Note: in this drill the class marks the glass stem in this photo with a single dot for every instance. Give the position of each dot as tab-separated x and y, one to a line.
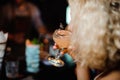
58	55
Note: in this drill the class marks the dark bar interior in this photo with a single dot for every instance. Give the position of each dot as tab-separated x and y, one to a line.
33	22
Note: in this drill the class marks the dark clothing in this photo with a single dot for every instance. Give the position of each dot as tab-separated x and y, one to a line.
21	25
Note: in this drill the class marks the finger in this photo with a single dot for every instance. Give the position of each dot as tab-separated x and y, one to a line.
54	47
64	51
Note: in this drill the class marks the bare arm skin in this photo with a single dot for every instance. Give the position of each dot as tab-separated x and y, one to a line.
82	72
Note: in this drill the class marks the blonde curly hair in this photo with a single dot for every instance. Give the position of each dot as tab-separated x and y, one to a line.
95	26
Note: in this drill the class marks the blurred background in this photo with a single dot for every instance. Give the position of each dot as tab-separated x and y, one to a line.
30	25
53	12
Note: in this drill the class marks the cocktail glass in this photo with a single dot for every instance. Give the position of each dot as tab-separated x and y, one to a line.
62	39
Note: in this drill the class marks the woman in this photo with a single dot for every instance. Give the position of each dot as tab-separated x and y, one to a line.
95	39
96	36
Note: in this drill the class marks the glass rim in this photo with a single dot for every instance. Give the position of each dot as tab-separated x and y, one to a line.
56	34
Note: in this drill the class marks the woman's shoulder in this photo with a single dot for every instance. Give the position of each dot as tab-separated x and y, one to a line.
113	75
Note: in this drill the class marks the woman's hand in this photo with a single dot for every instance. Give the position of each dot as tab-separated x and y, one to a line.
61	51
66	50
